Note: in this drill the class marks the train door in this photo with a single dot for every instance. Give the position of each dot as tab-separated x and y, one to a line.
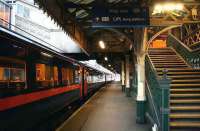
82	82
85	82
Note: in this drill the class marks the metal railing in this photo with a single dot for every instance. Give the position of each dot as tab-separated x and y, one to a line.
157	91
192	57
193	40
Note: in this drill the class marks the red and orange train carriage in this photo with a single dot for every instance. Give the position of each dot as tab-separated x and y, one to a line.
36	81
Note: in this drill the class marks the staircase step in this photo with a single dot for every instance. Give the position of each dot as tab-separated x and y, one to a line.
166	66
185	85
185	77
191	108
166	62
169	63
180	69
184	95
180	73
185	115
186	90
165	58
185	124
160	55
186	81
185	101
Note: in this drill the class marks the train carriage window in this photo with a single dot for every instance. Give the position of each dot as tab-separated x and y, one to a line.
46	75
17	75
76	77
55	75
12	74
4	74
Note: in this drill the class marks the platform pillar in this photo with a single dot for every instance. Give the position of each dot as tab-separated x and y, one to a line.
128	92
123	76
141	98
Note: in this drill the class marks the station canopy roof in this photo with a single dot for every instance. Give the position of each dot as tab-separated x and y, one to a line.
94	65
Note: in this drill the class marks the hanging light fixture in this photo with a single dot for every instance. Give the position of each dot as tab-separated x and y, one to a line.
106	58
102	44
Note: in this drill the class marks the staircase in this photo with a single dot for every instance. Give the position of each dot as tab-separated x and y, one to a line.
184	89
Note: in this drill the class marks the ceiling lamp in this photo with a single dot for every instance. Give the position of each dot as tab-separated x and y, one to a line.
102	44
106	58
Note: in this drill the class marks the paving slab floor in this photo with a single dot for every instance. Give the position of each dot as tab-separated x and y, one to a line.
108	110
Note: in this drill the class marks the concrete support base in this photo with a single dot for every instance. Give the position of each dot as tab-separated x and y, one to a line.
128	92
140	118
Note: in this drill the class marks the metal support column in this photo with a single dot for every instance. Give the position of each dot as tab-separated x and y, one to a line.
141	98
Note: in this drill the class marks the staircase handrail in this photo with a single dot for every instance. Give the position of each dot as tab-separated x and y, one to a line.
192	57
181	43
152	66
191	33
194	40
154	105
158	88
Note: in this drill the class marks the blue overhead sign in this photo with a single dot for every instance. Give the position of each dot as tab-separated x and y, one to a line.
108	16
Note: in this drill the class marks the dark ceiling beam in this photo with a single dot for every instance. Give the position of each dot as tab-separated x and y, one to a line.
86	7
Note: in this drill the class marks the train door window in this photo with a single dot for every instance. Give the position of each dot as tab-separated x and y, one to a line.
70	76
89	78
55	75
64	76
77	76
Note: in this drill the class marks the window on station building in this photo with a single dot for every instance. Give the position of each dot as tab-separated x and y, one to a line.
23	11
46	75
12	75
4	14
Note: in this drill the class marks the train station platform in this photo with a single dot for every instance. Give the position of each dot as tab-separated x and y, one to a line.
108	110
